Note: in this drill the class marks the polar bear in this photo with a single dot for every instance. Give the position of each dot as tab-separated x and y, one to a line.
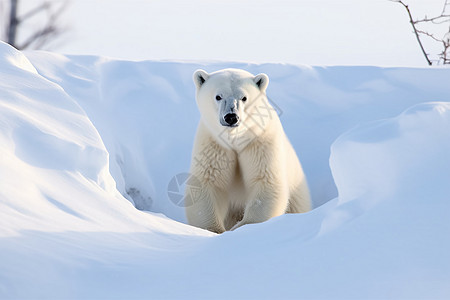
247	169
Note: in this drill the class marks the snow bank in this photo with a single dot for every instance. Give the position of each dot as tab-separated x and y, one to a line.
146	114
54	165
79	134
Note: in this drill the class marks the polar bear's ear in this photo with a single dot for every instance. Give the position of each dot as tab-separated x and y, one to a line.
200	77
262	81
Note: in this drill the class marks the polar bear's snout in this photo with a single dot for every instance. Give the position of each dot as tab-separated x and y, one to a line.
229	112
231	119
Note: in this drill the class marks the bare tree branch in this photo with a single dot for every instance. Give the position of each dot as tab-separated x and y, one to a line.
41	36
430	35
35	11
415	31
438	20
446	18
444	8
13	22
50	30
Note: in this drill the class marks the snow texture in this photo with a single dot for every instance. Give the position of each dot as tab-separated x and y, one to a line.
84	141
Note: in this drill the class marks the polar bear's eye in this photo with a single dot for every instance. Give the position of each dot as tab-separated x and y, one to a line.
244	99
218	98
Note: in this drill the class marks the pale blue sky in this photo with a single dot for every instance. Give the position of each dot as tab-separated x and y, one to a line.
316	32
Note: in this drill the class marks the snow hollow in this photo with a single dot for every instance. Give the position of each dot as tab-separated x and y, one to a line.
86	140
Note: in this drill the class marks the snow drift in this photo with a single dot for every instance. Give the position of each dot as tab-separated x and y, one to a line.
82	139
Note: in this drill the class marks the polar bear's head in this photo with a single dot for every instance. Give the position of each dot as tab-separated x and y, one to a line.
228	98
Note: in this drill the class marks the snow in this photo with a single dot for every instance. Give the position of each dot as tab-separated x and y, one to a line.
83	138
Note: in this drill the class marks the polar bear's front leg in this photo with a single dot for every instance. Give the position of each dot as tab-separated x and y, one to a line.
214	167
208	209
265	178
265	202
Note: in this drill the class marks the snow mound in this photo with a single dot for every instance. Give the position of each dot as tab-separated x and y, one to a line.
54	165
83	138
397	155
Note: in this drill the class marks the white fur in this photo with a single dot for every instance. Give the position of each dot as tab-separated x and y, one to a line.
249	173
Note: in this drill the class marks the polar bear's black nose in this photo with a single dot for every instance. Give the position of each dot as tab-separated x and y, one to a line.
231	119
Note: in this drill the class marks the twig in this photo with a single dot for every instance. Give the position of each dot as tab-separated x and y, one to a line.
415	31
40	37
34	11
429	35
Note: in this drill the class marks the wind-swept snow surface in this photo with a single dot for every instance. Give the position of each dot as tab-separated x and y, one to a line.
82	139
